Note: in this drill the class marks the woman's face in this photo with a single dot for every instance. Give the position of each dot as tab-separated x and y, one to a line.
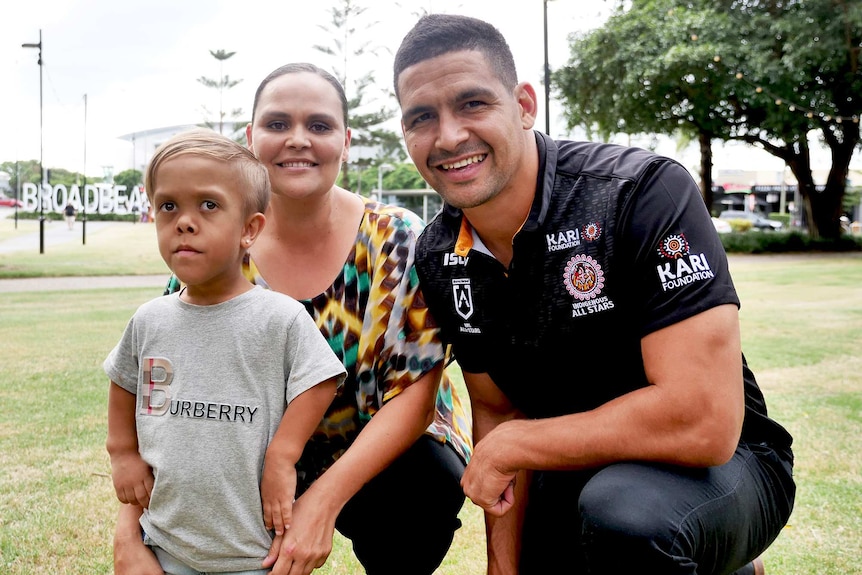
299	134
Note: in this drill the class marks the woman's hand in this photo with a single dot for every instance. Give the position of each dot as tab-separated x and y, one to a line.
131	556
306	545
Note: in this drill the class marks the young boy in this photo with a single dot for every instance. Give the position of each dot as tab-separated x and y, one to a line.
198	431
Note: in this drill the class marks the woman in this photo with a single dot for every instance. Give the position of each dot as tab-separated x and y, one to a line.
385	464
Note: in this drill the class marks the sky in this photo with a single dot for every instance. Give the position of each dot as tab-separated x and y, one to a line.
112	68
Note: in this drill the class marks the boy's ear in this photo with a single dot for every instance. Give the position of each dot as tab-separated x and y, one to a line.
253	226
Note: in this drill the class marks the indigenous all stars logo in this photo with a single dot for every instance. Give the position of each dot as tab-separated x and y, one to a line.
462	294
591	232
583	277
673	247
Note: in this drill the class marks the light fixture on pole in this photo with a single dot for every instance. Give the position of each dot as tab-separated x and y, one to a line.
41	167
380	169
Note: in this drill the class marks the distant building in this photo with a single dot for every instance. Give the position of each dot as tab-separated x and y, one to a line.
144	143
4	183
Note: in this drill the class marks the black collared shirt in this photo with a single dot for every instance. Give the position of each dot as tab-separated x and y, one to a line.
618	244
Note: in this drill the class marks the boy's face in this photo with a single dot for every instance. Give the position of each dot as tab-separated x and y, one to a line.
202	229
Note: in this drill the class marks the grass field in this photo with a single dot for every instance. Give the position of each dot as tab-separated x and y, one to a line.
118	248
802	330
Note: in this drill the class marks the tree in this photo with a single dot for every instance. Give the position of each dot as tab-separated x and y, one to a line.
657	84
129	178
801	74
403	176
727	70
61	176
365	115
222	83
27	171
21	172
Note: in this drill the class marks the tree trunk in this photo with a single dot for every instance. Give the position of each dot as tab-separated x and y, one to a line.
799	162
825	211
823	207
705	140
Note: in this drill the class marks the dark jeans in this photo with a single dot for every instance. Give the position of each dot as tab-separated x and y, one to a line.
403	520
643	518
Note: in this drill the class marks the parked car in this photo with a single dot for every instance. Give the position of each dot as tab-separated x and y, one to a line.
721	226
10	202
758	221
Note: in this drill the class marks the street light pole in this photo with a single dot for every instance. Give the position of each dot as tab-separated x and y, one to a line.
547	76
17	188
380	169
84	188
41	167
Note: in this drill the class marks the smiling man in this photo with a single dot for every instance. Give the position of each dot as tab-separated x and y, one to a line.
587	297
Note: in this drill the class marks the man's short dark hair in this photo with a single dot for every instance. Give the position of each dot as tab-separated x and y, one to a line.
438	34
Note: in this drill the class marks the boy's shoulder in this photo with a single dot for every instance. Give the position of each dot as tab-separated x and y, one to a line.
269	301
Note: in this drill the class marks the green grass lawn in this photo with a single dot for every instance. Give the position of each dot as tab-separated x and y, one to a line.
118	248
801	325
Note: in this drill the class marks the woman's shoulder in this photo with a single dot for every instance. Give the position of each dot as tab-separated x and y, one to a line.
380	215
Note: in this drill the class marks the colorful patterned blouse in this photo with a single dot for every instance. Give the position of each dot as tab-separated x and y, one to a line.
374	318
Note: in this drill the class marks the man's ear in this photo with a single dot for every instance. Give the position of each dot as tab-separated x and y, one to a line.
525	94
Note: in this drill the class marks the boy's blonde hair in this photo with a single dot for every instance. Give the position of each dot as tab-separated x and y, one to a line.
210	144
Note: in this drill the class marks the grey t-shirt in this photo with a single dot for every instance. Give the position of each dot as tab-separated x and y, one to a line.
212	384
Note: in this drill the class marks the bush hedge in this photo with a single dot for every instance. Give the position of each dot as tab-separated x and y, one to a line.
744	242
782	242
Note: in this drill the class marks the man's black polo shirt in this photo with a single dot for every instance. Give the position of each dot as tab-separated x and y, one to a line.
618	244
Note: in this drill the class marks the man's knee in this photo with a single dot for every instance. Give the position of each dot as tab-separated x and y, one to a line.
621	522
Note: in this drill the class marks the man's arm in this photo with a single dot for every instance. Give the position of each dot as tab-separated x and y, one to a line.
691	413
490	408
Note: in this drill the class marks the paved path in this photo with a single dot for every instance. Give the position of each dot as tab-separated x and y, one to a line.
56	233
79	283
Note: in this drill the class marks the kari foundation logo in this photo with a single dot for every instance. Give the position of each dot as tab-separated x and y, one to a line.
592	231
683	267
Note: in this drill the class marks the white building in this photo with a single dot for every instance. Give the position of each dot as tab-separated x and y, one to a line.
144	143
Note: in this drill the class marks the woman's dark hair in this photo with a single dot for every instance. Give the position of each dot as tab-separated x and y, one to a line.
296	68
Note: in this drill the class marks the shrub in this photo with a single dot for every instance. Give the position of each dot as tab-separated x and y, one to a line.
783	242
739	225
783	218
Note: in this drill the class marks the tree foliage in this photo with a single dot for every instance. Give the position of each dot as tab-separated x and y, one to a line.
22	171
27	171
129	178
229	121
348	30
765	72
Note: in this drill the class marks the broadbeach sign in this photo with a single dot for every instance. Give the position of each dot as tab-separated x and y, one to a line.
93	199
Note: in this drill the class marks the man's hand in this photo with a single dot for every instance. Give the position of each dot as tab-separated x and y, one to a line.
486	483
